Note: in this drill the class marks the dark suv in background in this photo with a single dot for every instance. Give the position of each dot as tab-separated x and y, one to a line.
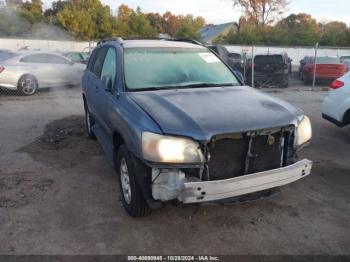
177	124
270	70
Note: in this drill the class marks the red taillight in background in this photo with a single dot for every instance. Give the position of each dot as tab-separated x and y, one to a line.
2	69
337	84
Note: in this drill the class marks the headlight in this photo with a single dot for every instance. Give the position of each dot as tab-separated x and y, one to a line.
304	131
168	149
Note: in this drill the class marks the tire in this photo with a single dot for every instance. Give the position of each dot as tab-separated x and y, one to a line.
285	83
27	85
306	80
89	122
132	198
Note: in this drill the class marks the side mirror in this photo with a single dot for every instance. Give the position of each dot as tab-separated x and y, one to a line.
107	81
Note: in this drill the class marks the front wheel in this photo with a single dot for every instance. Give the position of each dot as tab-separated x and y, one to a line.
133	200
27	85
89	122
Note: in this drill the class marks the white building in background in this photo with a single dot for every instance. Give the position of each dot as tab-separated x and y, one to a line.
295	53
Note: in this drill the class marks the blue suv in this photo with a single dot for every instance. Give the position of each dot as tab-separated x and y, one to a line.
178	124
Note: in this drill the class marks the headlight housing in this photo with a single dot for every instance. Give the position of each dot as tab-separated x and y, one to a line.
168	149
303	132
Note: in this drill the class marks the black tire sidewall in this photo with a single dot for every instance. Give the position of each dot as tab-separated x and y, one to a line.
138	206
89	131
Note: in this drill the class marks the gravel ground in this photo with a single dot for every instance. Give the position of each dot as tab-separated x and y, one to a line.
58	194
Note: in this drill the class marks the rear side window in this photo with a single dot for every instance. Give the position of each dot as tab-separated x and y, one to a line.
6	55
34	59
44	59
109	67
268	59
327	60
96	61
74	56
55	59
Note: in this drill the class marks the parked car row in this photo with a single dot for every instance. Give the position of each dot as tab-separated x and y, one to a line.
270	70
27	71
327	69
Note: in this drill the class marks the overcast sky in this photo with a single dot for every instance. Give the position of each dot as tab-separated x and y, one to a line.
221	11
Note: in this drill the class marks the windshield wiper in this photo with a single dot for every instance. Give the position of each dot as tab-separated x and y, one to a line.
196	85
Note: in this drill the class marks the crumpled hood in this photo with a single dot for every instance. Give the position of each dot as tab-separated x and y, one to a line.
204	112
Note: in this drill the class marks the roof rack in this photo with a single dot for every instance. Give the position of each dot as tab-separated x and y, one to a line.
188	40
117	39
120	40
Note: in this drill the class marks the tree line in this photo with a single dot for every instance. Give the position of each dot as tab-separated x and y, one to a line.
91	20
262	23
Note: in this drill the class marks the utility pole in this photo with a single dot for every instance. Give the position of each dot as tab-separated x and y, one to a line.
315	64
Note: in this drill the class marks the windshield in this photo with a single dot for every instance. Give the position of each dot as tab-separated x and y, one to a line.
6	55
85	56
327	60
344	57
159	68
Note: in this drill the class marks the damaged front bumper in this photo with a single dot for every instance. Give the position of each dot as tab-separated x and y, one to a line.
173	184
194	192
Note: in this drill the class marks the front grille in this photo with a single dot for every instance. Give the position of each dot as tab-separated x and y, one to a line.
232	157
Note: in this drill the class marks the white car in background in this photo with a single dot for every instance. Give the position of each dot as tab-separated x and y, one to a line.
26	71
336	106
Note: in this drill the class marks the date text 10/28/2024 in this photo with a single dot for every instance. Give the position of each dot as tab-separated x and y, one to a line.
173	258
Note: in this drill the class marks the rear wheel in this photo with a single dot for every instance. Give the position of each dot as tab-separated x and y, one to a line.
306	80
27	85
285	83
133	200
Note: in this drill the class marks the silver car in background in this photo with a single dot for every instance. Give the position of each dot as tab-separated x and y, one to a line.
26	71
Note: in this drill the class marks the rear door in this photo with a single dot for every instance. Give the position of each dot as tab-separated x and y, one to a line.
93	85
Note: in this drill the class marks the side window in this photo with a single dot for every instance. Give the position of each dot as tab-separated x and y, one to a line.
109	66
74	56
40	58
91	61
44	59
99	58
55	59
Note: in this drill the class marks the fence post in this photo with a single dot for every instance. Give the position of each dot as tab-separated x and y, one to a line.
315	64
253	66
